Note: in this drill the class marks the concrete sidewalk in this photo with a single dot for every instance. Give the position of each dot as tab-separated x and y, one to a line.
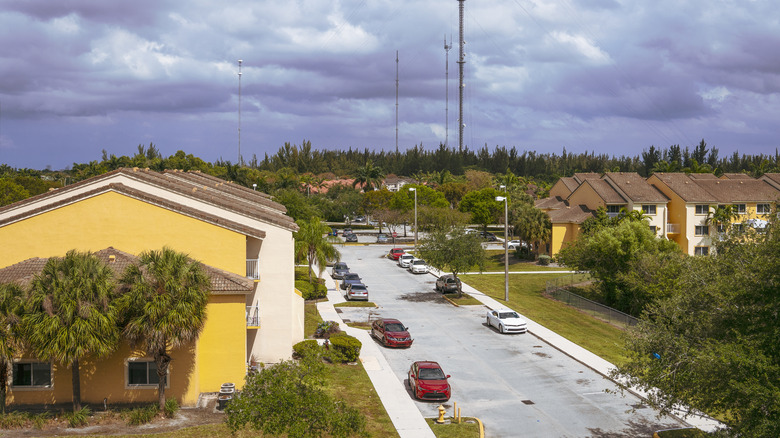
406	418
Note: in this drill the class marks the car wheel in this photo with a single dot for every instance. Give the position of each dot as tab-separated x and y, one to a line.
487	321
501	328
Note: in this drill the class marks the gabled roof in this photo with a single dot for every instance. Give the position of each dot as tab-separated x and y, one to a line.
736	176
685	187
724	191
194	186
605	191
570	214
580	177
222	282
636	188
551	203
570	182
773	179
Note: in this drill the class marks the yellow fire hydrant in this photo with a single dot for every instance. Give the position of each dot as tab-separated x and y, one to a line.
442	411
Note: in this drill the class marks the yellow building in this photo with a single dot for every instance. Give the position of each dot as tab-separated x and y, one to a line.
242	237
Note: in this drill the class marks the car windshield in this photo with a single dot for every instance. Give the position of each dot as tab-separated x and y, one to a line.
351	276
432	374
504	315
340	266
394	327
419	262
358	288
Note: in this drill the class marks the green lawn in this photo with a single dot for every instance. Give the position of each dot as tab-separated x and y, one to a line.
526	296
468	428
495	262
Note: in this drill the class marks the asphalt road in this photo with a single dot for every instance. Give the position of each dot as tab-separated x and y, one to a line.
517	384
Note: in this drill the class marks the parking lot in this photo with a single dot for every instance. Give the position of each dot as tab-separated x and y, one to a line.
517	384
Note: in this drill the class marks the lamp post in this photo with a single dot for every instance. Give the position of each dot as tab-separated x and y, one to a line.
413	189
506	245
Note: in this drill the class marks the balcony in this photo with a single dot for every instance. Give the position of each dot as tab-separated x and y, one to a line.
252	316
672	228
253	269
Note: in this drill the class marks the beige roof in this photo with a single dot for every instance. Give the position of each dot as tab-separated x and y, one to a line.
736	176
635	187
773	179
570	214
724	191
570	183
699	176
580	177
605	191
685	187
551	203
222	282
204	188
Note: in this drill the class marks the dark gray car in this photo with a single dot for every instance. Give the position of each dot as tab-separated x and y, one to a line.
447	283
339	269
350	278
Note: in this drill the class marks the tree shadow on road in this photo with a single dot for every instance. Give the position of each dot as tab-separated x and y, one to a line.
640	428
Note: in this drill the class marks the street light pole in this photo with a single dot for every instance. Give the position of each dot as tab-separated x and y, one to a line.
506	245
413	189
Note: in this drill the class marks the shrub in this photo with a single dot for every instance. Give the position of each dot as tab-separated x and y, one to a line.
311	291
544	260
78	418
326	328
171	407
142	415
346	347
14	420
305	348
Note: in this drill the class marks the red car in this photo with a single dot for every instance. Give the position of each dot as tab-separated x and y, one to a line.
428	382
391	333
395	253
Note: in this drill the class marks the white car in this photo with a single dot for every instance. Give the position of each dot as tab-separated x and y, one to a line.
514	244
418	266
506	321
405	260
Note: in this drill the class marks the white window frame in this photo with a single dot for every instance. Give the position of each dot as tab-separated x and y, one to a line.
701	250
32	387
740	208
699	207
647	207
699	230
146	360
763	208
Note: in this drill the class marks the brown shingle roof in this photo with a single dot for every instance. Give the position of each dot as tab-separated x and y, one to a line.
605	191
582	176
570	183
738	190
570	214
736	176
551	203
685	187
773	179
635	187
222	282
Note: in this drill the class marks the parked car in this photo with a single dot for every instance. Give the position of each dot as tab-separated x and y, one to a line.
428	381
470	231
346	231
391	333
506	321
339	269
333	232
418	266
447	283
351	237
381	238
395	253
487	235
350	278
357	291
515	244
405	259
359	219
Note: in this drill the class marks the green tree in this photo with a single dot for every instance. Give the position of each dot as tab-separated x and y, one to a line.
164	305
532	225
11	192
721	217
297	204
288	399
453	251
712	344
368	176
610	253
483	206
313	241
72	313
11	310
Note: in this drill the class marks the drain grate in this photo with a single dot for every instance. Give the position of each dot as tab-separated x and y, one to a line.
527	402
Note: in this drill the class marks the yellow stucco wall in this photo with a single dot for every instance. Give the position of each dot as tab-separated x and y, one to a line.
585	195
563	234
129	225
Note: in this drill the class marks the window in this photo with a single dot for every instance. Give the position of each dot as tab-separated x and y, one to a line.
702	209
654	229
32	374
738	228
702	230
763	209
142	372
739	208
701	250
613	210
648	210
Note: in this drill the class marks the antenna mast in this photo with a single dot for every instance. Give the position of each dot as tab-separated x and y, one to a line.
396	101
447	90
239	111
461	61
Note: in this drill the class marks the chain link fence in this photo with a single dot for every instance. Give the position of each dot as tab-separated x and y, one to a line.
557	289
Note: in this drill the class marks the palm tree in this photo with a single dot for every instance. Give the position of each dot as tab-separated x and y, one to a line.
310	241
72	313
165	305
368	176
533	225
11	310
721	216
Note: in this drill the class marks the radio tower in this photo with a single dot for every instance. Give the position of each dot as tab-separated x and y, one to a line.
396	101
461	61
447	90
239	111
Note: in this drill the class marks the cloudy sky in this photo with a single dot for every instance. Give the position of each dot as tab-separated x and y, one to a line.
610	76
